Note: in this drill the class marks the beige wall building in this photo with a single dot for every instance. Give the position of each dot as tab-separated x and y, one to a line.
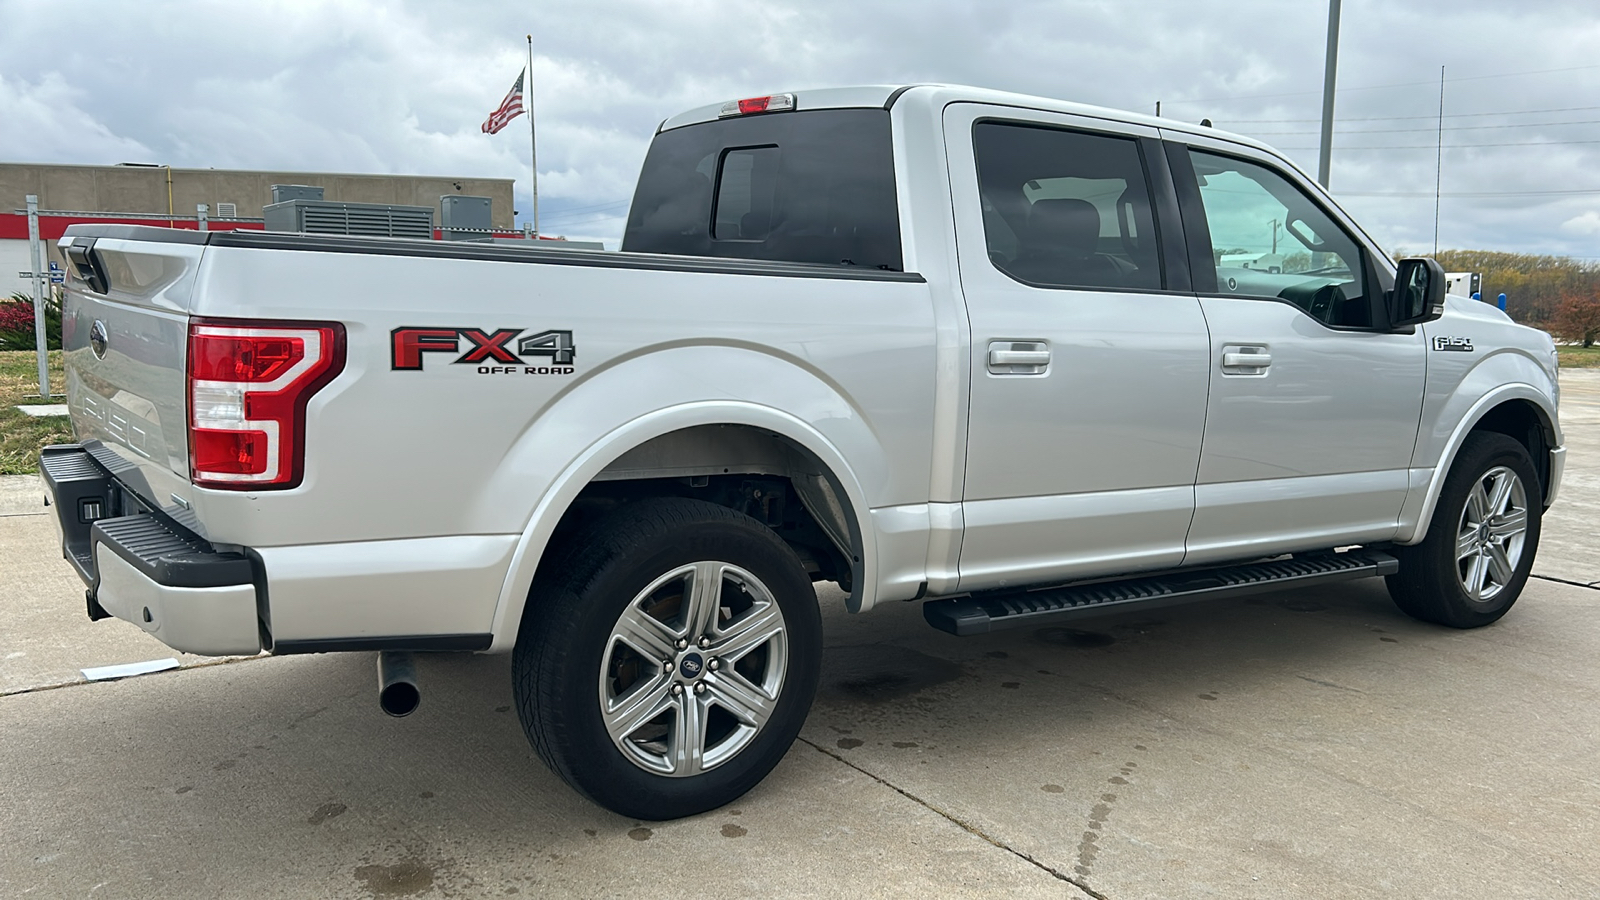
159	190
150	194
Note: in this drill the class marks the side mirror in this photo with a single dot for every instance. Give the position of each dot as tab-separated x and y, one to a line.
1418	294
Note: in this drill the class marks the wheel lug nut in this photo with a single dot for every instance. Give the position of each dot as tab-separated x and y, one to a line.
704	643
677	690
683	644
699	687
666	666
714	664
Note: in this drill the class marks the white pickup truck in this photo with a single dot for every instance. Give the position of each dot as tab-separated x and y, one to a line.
938	344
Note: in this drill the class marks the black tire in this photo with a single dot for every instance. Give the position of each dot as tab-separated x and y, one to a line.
1430	584
580	595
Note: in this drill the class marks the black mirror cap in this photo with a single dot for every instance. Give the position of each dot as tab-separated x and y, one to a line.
1418	294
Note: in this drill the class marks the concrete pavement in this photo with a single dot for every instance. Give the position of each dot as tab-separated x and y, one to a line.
1569	549
1306	744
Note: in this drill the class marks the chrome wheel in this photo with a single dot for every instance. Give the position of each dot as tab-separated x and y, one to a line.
692	669
1492	533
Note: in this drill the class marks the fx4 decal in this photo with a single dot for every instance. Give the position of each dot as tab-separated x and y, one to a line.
490	351
1458	344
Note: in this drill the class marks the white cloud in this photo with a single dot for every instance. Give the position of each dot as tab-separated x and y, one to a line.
1588	223
365	85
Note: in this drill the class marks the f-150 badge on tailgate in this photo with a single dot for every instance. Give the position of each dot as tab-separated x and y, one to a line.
1458	344
489	351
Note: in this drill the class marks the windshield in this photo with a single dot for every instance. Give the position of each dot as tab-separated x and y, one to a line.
807	187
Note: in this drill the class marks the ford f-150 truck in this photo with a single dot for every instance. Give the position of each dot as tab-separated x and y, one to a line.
988	352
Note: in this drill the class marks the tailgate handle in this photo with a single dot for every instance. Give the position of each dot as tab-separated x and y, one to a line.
86	262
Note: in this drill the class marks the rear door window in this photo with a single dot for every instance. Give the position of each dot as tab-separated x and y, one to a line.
1066	208
811	187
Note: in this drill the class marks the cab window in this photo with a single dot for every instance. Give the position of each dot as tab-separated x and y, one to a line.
1270	240
1065	208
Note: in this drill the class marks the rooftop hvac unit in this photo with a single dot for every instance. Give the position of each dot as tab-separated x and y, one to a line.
463	218
333	217
282	193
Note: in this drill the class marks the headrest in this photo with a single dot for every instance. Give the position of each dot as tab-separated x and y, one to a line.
1065	225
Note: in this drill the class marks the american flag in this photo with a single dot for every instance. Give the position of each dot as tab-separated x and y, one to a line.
510	108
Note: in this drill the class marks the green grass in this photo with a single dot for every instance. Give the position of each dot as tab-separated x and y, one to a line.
1579	357
22	435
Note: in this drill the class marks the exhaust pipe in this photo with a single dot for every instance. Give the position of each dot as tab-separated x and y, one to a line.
398	693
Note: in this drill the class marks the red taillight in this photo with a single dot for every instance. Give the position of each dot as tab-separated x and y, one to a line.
769	103
248	386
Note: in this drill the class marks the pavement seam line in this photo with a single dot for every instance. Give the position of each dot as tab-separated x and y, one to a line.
1595	586
58	685
959	823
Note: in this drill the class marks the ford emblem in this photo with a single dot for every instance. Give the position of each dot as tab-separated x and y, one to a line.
98	338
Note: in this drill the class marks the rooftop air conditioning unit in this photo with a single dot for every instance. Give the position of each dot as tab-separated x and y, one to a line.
333	217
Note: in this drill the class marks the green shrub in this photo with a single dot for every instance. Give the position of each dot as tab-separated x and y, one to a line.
16	323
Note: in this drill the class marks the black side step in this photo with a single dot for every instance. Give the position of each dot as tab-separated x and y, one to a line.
981	613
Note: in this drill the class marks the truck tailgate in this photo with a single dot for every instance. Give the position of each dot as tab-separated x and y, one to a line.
124	335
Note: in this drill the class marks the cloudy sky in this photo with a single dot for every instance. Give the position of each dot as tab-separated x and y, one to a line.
368	86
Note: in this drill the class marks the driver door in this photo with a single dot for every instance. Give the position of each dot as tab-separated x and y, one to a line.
1313	411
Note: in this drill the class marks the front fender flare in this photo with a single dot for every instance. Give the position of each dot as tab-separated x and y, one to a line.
1428	483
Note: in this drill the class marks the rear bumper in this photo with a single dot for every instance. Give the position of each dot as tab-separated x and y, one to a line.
143	568
435	593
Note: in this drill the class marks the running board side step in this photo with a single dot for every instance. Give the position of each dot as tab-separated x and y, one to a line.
994	610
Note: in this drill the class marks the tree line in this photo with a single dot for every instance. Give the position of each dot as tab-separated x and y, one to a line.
1557	293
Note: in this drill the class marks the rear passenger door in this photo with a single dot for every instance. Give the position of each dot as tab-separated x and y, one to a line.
1089	352
1314	401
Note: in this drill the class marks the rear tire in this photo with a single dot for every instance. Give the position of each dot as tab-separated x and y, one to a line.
668	657
1482	539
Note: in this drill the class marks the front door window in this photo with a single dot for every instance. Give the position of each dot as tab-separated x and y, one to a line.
1269	240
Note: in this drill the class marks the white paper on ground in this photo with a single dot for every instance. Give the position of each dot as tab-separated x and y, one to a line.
127	670
44	409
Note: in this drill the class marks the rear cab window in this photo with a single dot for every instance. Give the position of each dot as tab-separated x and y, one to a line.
814	186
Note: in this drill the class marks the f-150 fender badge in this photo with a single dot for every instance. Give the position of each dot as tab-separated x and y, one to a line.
1458	344
489	351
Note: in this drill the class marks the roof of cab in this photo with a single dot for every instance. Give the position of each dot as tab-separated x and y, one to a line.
881	95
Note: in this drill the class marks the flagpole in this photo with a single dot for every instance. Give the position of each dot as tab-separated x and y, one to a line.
533	146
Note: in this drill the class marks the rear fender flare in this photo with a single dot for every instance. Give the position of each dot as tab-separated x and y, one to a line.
582	469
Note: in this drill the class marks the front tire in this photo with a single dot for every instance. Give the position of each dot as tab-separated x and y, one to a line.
1481	542
668	657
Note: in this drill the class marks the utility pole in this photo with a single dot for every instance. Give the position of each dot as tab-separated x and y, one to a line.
1438	164
1329	76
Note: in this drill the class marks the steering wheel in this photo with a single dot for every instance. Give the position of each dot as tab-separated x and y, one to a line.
1322	301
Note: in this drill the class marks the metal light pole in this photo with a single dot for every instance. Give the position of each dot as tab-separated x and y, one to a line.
41	282
1329	75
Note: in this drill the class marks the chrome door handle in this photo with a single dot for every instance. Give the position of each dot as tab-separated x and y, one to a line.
1246	360
1018	357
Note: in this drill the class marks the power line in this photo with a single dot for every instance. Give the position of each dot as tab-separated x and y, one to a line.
1446	128
579	209
1377	87
1512	112
1467	193
1454	146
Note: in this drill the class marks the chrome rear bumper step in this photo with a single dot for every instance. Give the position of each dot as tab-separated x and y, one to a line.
995	610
